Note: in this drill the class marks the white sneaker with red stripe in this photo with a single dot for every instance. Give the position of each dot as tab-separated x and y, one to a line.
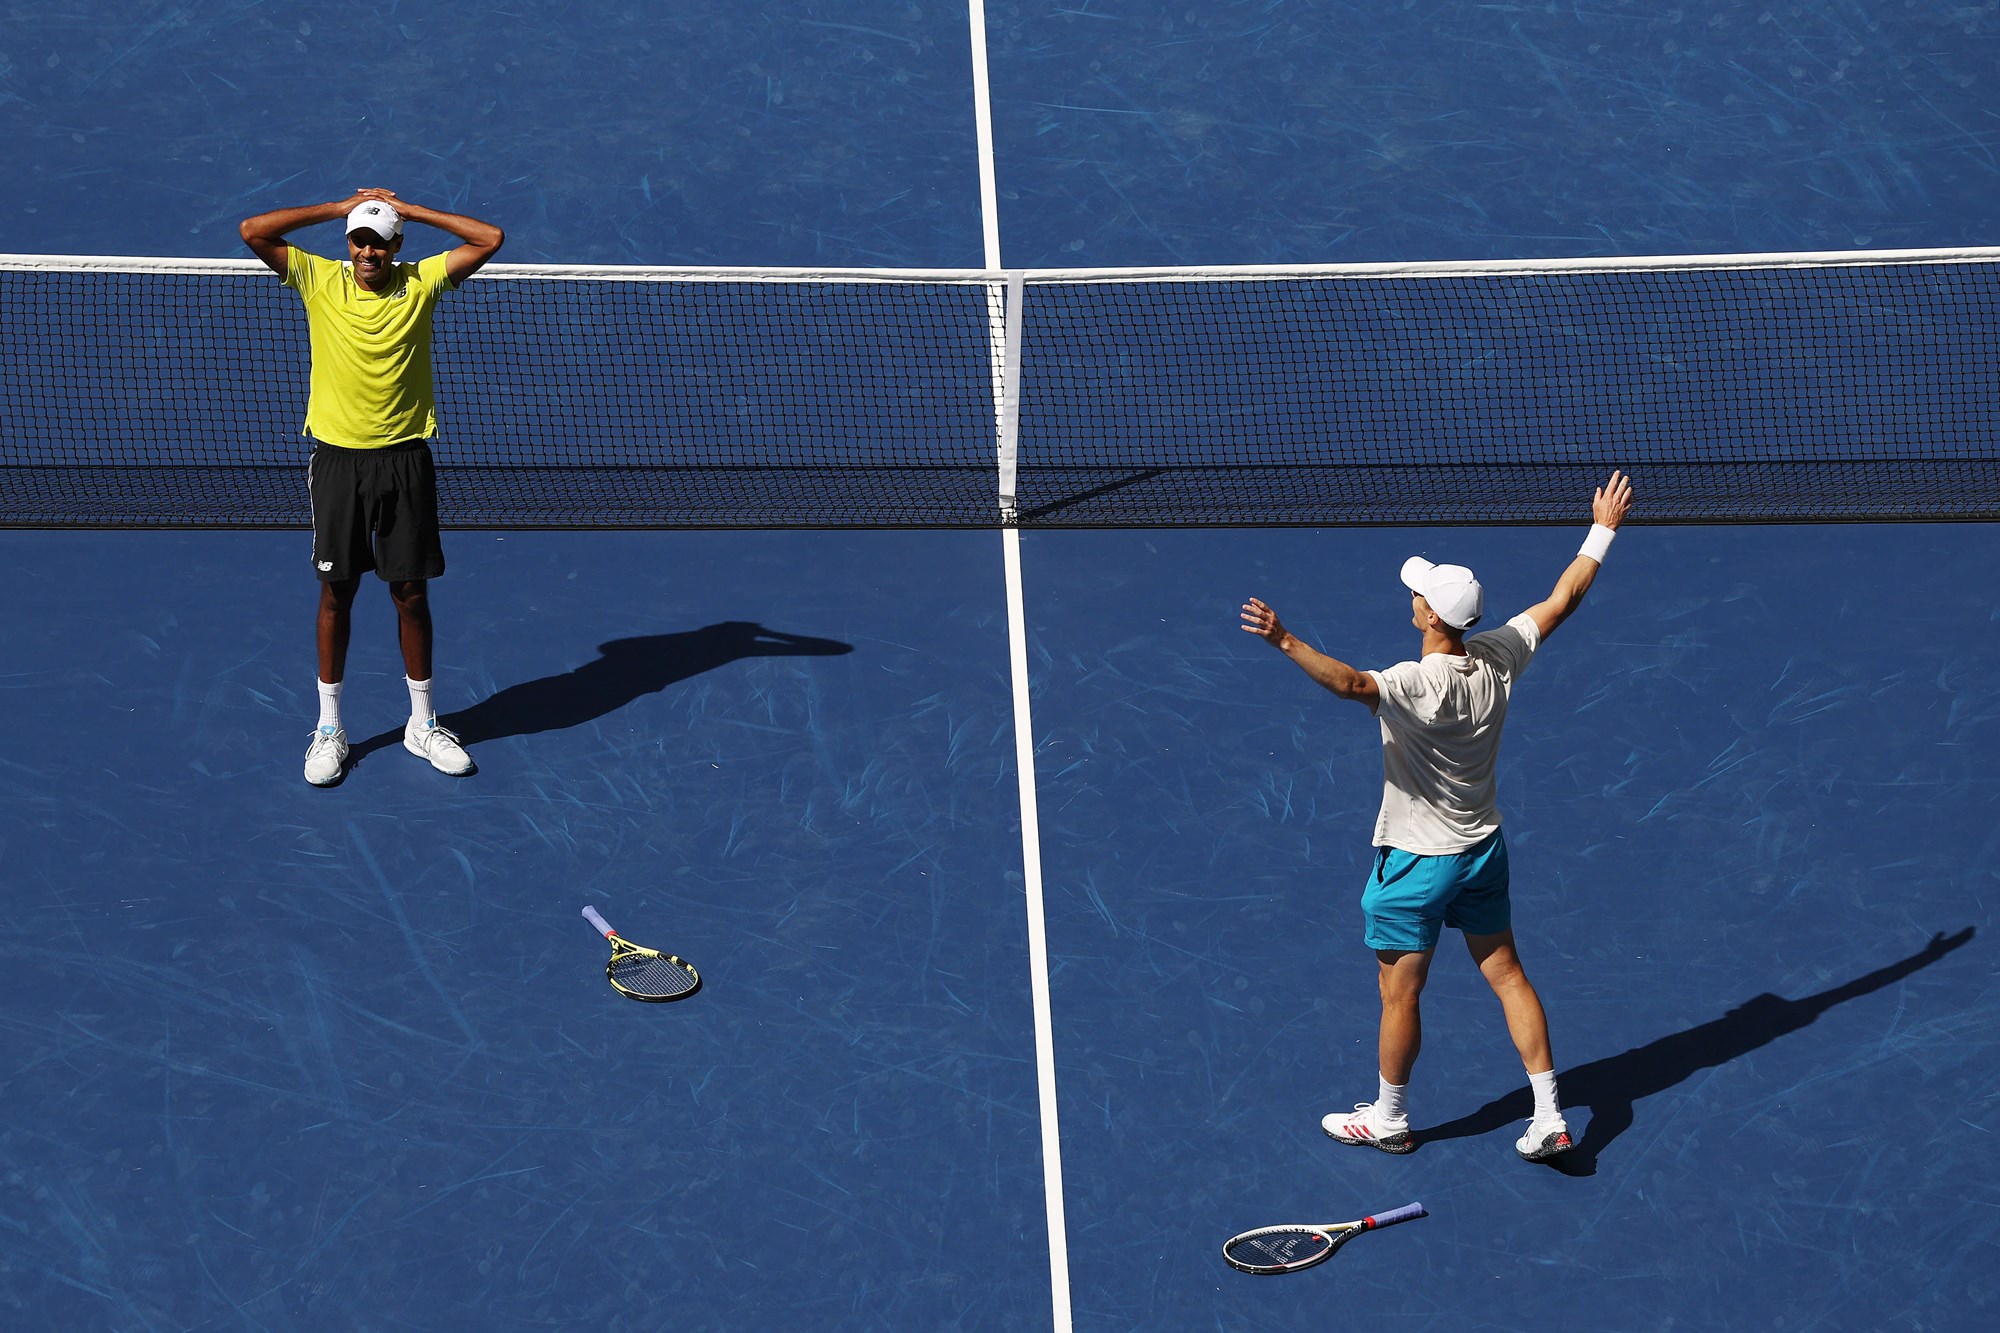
1545	1139
1367	1127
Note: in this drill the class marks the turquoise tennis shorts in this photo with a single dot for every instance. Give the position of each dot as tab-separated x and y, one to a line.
1411	898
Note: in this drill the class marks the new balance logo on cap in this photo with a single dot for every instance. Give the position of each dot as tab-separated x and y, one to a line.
378	217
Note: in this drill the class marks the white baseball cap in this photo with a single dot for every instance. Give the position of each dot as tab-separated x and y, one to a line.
378	217
1450	589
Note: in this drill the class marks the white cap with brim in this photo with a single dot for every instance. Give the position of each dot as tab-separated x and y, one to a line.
1450	589
377	217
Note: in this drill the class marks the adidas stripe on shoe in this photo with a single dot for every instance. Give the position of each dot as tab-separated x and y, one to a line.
1365	1127
1544	1139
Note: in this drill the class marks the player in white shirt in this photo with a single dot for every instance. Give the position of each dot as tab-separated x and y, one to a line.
1440	857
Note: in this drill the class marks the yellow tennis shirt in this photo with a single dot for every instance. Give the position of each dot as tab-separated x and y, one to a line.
371	352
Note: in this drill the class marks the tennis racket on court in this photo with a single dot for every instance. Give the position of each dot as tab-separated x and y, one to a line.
1297	1245
643	974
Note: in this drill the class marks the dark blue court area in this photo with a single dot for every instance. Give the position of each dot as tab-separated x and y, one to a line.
281	1058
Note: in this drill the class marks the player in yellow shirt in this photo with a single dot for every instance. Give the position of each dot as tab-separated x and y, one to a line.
370	415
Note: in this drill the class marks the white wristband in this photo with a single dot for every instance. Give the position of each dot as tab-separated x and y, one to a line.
1598	542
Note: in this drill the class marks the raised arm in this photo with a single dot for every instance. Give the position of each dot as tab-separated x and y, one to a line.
1607	510
1331	672
265	233
482	240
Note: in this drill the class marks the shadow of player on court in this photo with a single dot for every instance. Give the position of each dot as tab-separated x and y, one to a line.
1610	1087
623	670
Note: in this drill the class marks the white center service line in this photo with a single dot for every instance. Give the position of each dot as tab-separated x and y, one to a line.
1038	940
1024	746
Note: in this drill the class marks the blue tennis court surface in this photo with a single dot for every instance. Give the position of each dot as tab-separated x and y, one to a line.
283	1058
295	1058
347	1058
1745	791
811	132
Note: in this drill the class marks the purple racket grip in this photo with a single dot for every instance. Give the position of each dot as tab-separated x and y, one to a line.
604	927
1395	1215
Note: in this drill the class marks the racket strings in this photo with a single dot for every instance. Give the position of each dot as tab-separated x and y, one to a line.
1283	1247
650	974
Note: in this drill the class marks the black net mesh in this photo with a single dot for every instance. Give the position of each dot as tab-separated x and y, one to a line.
1806	392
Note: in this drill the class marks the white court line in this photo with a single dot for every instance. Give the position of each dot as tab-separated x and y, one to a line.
1038	941
982	117
1024	751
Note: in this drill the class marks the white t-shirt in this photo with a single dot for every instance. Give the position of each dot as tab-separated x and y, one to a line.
1441	721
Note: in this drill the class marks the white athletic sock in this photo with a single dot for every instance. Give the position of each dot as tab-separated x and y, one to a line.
329	704
1546	1105
1389	1099
420	701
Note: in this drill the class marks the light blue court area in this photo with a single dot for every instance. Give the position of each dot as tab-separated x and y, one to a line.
279	1057
1749	796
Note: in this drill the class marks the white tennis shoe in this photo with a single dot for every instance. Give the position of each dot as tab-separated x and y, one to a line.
428	740
1367	1127
1545	1139
326	760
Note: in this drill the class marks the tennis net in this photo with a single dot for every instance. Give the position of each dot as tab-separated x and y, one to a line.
1846	386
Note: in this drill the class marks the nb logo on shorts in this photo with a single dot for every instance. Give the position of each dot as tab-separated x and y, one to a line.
325	566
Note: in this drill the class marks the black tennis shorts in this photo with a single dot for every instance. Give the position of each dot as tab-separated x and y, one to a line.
374	509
